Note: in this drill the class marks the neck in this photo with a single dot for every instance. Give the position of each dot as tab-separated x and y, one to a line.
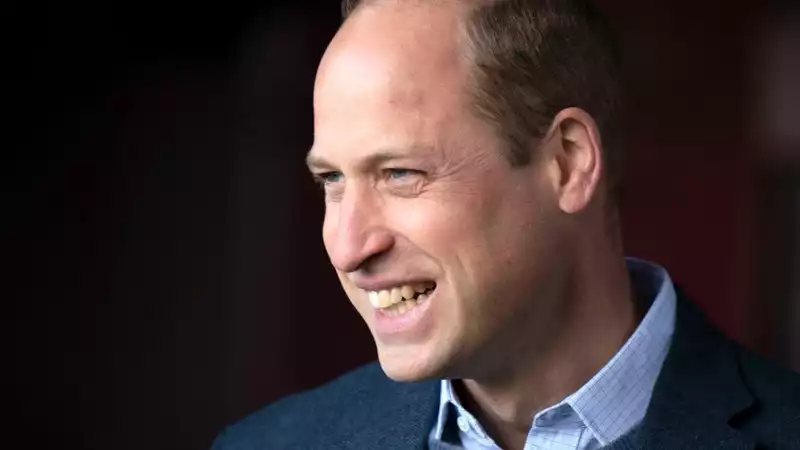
600	317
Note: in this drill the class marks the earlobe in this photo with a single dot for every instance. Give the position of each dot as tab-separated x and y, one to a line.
579	159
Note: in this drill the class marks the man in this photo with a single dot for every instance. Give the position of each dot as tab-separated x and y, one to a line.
469	157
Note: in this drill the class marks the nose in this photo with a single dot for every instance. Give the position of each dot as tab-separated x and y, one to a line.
355	232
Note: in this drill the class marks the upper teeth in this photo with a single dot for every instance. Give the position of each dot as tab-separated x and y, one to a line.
389	297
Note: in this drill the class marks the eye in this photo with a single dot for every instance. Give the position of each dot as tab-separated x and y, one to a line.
332	184
326	178
401	174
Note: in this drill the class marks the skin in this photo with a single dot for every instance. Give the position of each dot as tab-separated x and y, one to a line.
532	295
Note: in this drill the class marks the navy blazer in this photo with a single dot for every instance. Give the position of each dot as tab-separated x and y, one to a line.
711	394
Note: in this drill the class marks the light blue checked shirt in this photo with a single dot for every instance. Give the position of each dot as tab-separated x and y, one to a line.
607	406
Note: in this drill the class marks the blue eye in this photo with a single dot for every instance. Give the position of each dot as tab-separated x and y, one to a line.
400	173
329	177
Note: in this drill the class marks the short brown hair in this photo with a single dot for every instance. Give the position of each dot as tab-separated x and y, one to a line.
533	58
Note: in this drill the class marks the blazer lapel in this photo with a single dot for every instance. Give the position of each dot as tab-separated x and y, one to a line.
697	393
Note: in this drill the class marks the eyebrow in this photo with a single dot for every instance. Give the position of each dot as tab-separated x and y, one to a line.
317	162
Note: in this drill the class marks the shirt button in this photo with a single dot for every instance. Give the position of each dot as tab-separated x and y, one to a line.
463	424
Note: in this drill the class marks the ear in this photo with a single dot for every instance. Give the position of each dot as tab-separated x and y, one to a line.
577	160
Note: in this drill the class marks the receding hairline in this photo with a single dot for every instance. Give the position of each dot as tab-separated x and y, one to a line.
495	85
463	44
350	7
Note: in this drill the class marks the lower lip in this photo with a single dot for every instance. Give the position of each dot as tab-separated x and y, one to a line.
409	326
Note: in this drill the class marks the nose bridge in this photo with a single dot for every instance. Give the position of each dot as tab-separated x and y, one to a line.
361	233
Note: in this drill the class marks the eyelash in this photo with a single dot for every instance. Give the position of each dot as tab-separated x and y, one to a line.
392	171
324	178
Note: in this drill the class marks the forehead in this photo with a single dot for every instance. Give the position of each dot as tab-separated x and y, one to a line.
394	76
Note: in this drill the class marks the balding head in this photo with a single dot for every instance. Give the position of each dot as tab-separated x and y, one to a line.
530	59
410	64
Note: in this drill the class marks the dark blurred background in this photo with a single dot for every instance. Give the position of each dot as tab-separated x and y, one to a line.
167	269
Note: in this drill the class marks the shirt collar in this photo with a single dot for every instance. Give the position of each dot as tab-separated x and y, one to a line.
625	384
616	398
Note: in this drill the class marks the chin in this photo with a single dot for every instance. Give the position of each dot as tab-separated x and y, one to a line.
409	365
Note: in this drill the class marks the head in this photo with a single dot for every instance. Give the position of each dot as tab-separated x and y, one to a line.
459	146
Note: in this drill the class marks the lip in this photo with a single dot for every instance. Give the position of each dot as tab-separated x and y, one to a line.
411	326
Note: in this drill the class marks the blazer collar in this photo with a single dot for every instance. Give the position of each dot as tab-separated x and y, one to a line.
697	393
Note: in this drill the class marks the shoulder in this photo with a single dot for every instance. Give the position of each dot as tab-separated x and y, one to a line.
776	391
335	411
284	423
708	379
770	382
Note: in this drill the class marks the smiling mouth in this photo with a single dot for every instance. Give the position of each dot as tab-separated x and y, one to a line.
401	299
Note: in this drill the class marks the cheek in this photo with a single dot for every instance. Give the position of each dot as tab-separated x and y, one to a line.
453	220
484	239
465	219
458	232
429	225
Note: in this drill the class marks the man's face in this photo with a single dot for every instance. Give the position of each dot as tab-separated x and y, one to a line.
422	209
